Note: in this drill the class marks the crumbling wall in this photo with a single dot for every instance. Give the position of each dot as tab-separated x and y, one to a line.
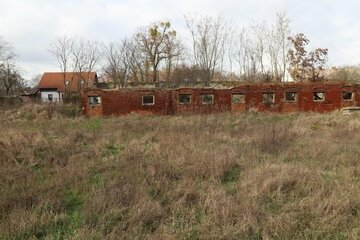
317	97
221	101
92	110
124	101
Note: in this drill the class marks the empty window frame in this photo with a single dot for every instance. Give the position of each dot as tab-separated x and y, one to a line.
268	98
94	100
237	98
290	97
184	98
50	97
148	100
207	98
319	96
347	95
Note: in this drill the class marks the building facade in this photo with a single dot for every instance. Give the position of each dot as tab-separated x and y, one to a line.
287	97
52	86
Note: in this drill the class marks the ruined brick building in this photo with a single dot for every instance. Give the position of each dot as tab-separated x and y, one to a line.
286	97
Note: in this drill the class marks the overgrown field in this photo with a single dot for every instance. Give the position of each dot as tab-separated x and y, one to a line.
240	176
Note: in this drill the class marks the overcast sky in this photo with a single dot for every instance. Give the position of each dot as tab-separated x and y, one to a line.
30	25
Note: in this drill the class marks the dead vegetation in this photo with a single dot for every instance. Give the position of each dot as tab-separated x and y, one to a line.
241	176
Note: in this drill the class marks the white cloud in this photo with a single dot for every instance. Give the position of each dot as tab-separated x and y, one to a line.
31	24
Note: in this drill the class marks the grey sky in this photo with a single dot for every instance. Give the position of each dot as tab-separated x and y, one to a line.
30	25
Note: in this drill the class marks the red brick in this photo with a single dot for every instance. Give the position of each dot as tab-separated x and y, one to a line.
125	101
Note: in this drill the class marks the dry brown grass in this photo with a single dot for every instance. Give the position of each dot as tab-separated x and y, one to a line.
240	176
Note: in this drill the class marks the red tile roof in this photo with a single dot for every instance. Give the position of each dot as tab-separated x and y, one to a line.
55	80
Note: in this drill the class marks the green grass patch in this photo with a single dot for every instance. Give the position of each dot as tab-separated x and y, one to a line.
72	201
58	227
93	124
231	175
96	180
113	149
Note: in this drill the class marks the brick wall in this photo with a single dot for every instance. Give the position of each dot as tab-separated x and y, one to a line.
124	101
221	101
87	108
206	100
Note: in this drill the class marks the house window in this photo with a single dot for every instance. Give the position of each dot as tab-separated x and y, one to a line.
50	97
238	98
347	95
184	98
148	100
319	96
268	98
207	98
291	96
94	100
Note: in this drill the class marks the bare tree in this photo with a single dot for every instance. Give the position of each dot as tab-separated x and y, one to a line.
139	65
246	57
283	32
231	51
184	74
77	56
174	50
35	80
6	51
240	55
117	62
62	49
85	56
10	77
261	35
274	56
11	80
261	51
208	40
158	43
279	46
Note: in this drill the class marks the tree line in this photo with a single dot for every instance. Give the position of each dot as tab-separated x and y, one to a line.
214	50
11	81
